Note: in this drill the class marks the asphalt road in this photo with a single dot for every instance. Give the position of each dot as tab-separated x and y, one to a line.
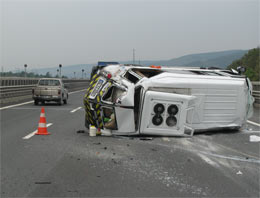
69	163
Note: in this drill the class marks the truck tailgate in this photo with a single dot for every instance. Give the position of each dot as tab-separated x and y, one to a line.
47	91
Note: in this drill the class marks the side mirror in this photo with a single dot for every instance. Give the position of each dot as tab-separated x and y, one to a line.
241	69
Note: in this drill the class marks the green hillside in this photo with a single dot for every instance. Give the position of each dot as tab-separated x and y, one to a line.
252	63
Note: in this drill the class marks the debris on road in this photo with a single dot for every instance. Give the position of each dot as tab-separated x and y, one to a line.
239	173
80	131
92	131
254	138
106	132
166	101
42	182
145	138
115	162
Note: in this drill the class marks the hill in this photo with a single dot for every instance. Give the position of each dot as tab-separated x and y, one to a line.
251	62
211	59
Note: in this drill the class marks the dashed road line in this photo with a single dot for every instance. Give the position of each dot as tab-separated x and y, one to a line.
251	159
77	91
253	123
33	133
16	105
74	110
249	132
235	158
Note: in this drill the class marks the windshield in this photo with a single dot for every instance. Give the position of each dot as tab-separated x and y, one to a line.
49	82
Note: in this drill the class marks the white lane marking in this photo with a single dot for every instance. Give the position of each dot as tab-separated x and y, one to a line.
16	105
253	123
248	131
33	133
74	110
252	159
77	91
20	104
235	158
208	160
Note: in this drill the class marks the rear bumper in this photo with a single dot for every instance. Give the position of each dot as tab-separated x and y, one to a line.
47	98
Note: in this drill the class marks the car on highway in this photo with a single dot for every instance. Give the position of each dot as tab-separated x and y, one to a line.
50	89
169	101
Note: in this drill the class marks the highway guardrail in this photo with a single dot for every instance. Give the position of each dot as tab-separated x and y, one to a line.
17	89
256	92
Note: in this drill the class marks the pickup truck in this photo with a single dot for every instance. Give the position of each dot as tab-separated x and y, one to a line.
50	89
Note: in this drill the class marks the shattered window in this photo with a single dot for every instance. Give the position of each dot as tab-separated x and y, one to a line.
148	73
132	77
113	94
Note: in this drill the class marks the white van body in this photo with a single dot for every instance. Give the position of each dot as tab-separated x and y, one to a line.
197	99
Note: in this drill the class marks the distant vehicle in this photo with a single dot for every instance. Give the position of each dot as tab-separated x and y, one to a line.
131	100
50	89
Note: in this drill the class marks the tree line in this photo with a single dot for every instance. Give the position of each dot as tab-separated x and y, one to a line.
251	62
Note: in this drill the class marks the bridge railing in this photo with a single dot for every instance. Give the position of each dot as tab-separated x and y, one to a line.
16	89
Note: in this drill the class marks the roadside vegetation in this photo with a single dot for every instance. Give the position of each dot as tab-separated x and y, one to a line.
251	62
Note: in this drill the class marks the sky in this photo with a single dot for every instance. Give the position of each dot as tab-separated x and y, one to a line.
46	33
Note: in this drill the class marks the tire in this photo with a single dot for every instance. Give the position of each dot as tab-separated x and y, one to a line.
36	102
60	102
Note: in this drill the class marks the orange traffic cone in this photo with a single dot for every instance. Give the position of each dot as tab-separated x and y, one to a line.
42	128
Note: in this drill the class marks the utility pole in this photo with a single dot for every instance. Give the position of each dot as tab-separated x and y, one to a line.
133	56
60	65
57	72
74	75
25	66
